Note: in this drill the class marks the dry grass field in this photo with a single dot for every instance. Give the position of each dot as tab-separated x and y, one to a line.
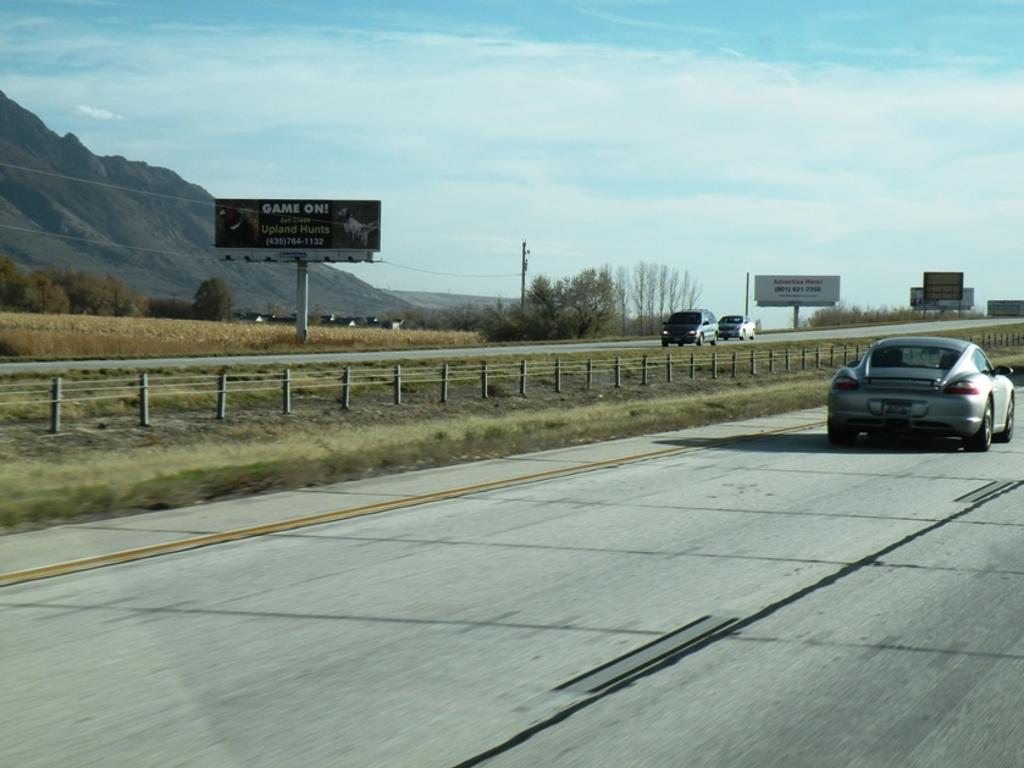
37	336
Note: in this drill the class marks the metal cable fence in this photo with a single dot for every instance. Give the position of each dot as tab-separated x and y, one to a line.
32	398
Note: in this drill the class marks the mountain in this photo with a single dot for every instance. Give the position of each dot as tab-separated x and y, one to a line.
162	225
437	301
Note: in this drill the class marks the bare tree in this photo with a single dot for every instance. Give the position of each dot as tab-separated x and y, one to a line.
663	278
690	291
622	293
651	291
673	291
638	291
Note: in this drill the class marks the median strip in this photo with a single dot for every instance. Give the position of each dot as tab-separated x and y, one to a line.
195	542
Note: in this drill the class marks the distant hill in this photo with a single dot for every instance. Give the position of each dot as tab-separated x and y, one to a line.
167	230
427	300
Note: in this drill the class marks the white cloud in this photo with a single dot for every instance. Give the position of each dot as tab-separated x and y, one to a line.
97	114
717	164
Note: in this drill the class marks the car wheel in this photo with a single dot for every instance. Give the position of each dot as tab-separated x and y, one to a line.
700	340
980	441
1007	434
664	342
841	435
743	335
714	340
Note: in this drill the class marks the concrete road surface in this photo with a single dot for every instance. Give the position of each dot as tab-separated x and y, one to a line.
868	604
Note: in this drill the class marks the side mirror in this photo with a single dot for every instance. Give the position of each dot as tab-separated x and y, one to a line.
1003	370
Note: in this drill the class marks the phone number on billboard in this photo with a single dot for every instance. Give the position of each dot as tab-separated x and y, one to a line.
302	241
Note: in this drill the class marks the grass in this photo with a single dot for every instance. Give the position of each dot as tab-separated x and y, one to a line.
45	491
38	336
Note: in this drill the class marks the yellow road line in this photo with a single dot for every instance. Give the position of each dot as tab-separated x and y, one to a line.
168	547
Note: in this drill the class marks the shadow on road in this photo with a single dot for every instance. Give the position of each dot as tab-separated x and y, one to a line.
818	443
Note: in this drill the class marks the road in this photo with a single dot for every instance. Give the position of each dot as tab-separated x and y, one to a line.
870	599
452	353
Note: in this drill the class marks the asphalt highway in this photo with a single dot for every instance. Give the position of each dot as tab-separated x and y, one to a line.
55	366
801	605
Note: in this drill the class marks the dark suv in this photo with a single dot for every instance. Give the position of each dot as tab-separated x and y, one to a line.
691	326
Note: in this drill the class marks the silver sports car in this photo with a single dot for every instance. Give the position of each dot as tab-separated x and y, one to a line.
923	385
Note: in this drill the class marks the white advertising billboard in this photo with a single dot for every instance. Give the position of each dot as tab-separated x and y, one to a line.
796	290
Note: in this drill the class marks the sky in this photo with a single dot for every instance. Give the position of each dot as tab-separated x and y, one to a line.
869	140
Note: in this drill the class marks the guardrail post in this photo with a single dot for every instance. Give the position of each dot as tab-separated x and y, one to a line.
787	359
444	383
668	367
286	391
817	358
645	378
693	366
771	361
803	359
856	352
483	381
618	373
590	373
398	385
222	396
714	365
522	378
832	357
558	375
734	364
55	399
143	399
753	363
844	354
346	387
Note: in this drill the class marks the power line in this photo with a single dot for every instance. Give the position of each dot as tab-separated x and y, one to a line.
106	243
192	201
120	187
444	274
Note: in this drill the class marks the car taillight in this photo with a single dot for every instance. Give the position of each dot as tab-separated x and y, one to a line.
845	382
962	388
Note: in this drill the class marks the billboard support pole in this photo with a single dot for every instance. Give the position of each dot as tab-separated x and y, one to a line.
746	302
302	301
796	317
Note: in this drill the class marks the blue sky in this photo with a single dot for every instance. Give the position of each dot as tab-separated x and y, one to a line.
870	140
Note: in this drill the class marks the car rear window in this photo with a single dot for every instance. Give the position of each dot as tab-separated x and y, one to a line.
685	317
909	356
732	319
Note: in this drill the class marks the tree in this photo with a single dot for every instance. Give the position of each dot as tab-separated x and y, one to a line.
48	296
588	303
15	288
213	300
622	294
638	291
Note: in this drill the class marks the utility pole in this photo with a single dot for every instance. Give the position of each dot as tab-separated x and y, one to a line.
746	303
522	297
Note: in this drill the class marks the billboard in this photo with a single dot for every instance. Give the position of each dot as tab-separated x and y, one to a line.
350	228
1006	308
943	286
966	303
796	290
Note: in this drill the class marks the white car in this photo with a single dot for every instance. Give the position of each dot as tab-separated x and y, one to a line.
736	327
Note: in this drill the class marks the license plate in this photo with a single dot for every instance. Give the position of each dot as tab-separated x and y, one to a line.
898	409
